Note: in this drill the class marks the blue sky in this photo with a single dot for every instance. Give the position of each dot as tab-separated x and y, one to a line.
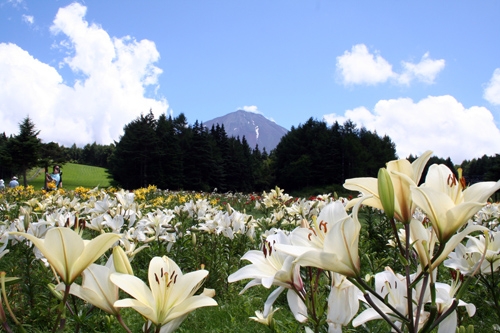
425	73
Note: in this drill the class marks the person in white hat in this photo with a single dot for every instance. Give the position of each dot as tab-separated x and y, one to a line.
2	184
14	182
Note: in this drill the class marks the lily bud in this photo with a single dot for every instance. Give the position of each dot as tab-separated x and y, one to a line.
386	192
121	262
55	291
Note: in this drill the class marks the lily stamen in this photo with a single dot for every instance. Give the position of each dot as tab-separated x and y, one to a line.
452	180
324	225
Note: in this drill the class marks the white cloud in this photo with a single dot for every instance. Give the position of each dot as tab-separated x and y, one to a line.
438	123
28	19
362	67
492	90
114	74
249	108
426	70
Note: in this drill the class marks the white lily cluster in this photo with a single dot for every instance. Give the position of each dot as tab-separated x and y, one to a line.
166	303
488	216
227	223
481	253
435	216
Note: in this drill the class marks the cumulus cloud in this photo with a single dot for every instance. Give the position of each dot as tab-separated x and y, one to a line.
113	75
359	66
492	90
426	70
438	123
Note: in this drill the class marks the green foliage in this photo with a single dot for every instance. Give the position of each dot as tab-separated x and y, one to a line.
24	148
170	154
315	155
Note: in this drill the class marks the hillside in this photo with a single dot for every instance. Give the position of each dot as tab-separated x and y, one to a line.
75	175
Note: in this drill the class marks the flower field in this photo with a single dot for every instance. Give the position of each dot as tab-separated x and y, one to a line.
400	256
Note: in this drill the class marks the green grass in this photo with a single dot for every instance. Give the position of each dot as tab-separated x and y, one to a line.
75	175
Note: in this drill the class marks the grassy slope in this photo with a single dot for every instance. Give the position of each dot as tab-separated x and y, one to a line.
75	175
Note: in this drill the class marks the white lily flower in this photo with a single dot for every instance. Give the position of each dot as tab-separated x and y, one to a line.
114	223
465	261
97	289
170	295
314	236
343	303
444	299
391	287
68	253
446	204
273	268
403	175
478	245
338	234
263	319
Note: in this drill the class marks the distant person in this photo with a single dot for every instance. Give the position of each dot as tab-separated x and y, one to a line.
54	180
2	184
14	182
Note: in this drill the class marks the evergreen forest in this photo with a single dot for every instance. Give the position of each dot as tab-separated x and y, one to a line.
172	154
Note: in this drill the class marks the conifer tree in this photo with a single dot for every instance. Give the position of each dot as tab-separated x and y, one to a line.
169	166
132	163
24	148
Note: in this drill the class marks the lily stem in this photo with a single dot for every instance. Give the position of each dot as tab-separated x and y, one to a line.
421	298
61	315
398	241
120	320
363	286
409	289
381	313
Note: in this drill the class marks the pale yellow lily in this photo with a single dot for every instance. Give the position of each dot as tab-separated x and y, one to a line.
403	175
339	251
121	261
263	319
68	253
97	288
445	202
424	240
170	295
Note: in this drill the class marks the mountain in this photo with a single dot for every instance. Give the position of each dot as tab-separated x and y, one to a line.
257	129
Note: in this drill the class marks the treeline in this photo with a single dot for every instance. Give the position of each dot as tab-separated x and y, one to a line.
171	154
91	154
25	151
315	155
486	168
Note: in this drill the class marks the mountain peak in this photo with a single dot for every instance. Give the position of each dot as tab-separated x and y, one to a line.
257	129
